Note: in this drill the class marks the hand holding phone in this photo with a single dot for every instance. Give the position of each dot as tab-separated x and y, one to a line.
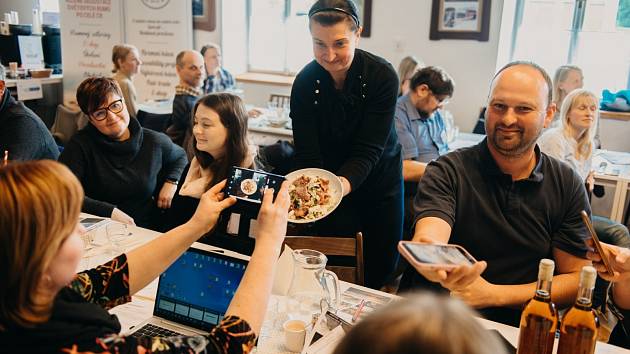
450	265
596	243
250	185
435	256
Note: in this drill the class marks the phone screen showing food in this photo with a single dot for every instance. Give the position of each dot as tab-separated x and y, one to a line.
439	254
250	185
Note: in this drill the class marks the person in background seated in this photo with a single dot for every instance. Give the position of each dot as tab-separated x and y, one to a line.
46	307
421	324
126	59
191	72
219	141
22	133
572	142
421	130
506	203
217	78
566	79
407	67
127	171
619	258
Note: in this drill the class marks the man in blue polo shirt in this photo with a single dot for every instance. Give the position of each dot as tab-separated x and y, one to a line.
421	130
507	203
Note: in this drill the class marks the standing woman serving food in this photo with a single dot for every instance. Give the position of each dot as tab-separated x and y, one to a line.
342	106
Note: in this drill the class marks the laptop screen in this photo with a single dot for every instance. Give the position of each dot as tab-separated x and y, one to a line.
197	288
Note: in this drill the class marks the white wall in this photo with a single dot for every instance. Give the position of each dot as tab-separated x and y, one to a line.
201	38
400	28
23	7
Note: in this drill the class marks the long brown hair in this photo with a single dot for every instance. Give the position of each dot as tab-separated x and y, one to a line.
41	202
233	115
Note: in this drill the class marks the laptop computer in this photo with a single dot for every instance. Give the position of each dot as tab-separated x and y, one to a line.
194	293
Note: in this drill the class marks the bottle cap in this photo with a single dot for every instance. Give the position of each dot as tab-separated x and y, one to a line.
545	269
588	277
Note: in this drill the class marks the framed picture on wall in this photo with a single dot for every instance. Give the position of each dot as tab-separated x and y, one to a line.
460	19
365	15
204	15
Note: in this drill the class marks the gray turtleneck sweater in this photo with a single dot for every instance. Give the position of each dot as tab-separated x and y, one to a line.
124	175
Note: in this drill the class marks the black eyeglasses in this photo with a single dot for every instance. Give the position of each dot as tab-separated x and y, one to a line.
114	107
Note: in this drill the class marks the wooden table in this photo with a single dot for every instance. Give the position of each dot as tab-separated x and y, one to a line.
616	176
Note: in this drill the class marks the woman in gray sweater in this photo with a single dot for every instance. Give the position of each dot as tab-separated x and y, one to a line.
128	172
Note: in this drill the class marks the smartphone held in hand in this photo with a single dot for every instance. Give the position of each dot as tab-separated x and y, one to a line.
596	243
250	185
435	256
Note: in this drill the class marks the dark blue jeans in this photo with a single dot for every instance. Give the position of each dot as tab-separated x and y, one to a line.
611	232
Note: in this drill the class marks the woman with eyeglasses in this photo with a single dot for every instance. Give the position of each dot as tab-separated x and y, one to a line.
128	172
342	106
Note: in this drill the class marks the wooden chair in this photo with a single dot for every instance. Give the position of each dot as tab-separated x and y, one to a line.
281	100
341	251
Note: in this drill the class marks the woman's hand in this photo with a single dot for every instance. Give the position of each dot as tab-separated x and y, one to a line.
120	216
345	184
211	204
166	195
272	218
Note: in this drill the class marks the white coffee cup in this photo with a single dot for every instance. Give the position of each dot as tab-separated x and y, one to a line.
294	334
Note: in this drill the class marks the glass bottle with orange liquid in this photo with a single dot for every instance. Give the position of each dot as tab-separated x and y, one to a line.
539	319
578	332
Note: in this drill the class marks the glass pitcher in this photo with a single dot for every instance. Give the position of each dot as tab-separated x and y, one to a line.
309	286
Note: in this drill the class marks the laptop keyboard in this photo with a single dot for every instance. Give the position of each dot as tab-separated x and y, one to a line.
149	330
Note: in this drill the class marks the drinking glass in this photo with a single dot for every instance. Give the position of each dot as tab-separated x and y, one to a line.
117	233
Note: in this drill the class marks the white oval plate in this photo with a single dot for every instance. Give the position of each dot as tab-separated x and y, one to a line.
336	190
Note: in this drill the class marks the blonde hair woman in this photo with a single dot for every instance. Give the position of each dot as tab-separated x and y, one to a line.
566	79
46	307
424	323
573	142
127	62
407	67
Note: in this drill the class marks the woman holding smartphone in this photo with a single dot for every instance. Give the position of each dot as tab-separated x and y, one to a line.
342	106
46	307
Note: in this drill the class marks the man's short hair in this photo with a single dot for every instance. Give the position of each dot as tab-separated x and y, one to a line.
531	64
205	48
438	80
179	59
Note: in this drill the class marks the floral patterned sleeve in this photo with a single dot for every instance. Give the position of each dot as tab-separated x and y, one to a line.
106	285
232	336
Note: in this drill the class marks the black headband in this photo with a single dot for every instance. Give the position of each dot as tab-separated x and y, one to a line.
336	9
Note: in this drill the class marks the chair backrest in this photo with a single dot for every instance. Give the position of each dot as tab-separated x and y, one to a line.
154	121
345	254
67	122
281	100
